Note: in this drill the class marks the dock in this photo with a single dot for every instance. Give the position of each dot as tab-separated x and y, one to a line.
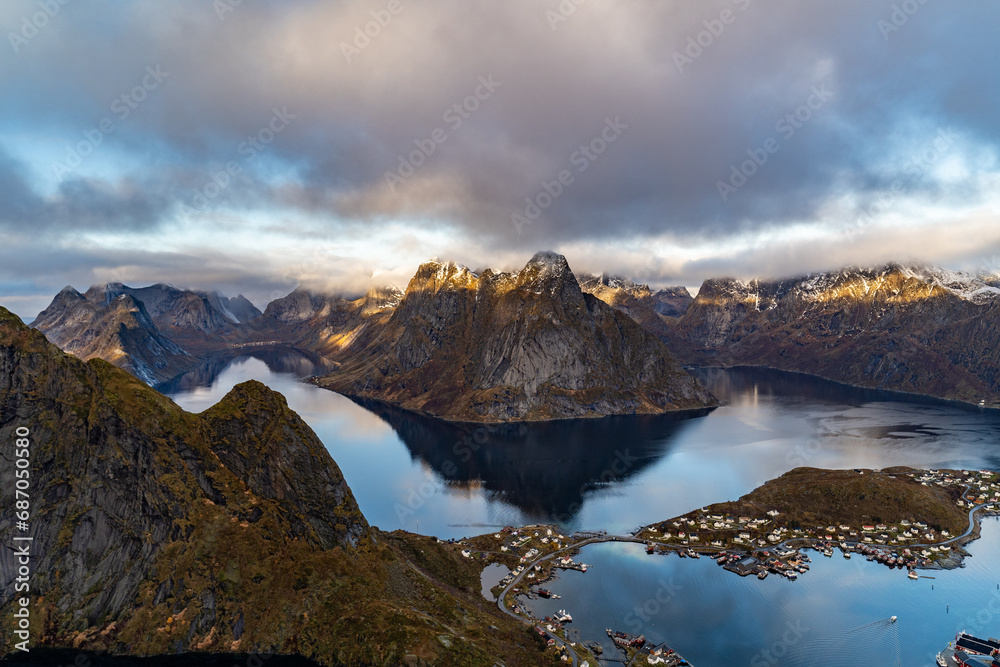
971	651
634	645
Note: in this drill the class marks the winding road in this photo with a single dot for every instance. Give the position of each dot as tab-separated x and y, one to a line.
809	542
501	600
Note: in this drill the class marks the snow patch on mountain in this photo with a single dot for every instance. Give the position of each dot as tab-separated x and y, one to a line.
964	285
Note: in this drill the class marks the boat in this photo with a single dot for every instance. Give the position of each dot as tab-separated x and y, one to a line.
941	661
913	575
563	617
847	555
762	575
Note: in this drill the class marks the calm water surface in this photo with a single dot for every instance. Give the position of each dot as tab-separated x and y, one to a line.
619	473
836	614
613	474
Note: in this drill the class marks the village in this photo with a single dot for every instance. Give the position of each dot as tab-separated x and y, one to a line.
767	542
772	542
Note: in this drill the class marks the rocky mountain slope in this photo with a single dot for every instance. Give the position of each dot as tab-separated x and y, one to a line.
648	308
617	290
197	321
331	325
153	332
499	347
174	330
156	530
903	328
117	329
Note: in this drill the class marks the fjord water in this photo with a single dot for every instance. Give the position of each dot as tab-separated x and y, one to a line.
619	473
611	474
834	615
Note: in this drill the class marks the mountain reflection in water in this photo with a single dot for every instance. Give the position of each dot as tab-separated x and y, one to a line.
424	475
542	468
278	359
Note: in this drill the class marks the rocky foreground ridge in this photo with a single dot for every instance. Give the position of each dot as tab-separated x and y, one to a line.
528	345
156	530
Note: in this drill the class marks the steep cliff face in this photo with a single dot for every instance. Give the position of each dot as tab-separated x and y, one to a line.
156	530
167	331
514	346
118	330
904	328
197	321
331	325
202	311
153	332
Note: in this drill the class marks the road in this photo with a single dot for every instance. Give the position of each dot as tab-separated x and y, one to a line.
541	559
968	531
810	542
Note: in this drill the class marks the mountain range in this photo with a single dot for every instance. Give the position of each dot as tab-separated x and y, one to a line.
154	530
160	331
519	346
898	327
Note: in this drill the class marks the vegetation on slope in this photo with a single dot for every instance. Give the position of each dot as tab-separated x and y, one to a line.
156	530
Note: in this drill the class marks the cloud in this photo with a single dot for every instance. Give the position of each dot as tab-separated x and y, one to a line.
808	114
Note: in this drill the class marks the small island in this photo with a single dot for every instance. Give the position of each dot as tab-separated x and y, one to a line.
899	517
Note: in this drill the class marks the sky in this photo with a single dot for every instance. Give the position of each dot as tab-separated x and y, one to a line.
252	147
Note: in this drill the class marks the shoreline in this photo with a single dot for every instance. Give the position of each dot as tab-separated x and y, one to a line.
530	568
357	398
891	393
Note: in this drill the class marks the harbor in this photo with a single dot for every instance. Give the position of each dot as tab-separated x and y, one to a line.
772	541
637	650
970	651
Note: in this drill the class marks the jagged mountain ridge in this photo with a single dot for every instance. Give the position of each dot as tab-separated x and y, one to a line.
514	346
332	325
156	530
118	330
650	309
178	329
194	320
621	292
154	332
900	327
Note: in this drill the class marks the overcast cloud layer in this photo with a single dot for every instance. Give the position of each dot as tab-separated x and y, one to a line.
251	147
